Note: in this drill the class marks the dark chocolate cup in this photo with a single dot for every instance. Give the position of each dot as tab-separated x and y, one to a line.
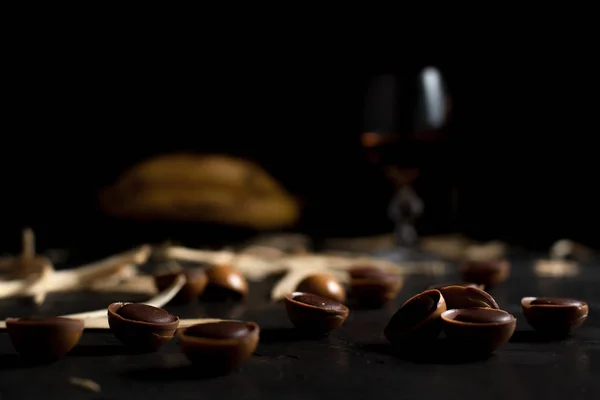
218	356
478	337
313	319
44	340
138	335
458	297
554	320
416	324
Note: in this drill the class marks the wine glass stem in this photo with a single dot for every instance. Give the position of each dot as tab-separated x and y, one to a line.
404	209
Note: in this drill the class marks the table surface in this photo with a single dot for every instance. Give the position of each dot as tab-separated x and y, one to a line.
353	361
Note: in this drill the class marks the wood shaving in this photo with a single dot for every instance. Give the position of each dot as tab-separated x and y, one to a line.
86	384
159	301
564	248
487	251
556	268
46	279
295	267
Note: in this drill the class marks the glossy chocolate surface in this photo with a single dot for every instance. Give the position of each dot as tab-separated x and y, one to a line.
219	330
458	297
478	316
556	301
553	316
225	281
141	327
415	310
417	320
314	315
480	331
323	285
320	302
146	313
217	348
44	339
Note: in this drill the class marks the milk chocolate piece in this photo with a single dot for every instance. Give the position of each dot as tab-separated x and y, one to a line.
145	313
315	314
323	285
481	316
219	347
418	319
225	281
44	339
219	330
458	297
478	331
141	327
554	317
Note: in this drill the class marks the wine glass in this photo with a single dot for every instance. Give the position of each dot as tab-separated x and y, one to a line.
404	120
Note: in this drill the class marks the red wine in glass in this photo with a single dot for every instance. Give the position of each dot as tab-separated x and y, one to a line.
404	120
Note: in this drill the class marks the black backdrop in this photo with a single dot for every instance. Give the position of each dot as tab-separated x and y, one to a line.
523	151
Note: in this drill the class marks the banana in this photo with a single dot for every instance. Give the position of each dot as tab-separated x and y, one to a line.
209	188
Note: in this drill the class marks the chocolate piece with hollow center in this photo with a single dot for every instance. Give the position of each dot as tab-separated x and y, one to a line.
478	316
219	330
556	301
460	297
217	347
44	339
415	311
418	320
320	302
145	313
323	285
554	317
313	314
478	331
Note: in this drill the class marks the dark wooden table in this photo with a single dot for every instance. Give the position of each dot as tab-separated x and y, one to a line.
353	362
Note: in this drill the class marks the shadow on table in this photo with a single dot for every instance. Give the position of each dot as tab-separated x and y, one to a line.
13	361
439	351
99	350
280	335
178	373
535	337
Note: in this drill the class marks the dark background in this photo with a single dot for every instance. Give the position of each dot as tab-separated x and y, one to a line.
522	153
